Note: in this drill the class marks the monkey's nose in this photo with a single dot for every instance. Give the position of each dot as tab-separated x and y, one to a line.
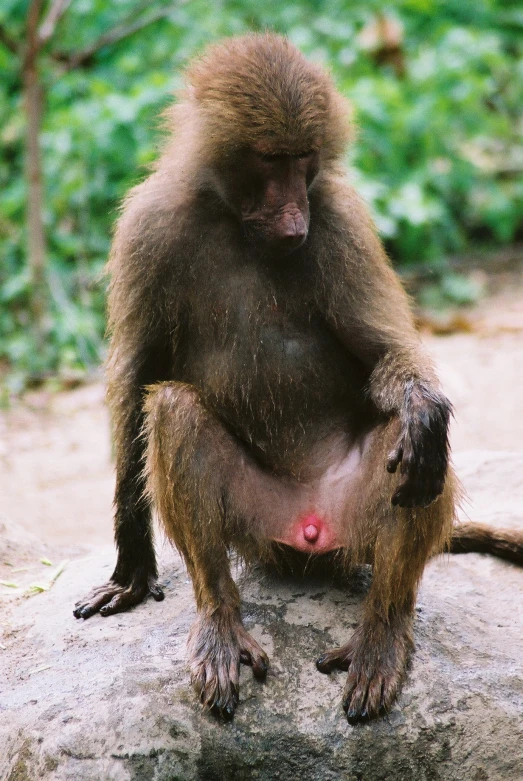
292	230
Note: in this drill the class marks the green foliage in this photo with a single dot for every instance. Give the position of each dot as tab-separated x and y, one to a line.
451	289
438	155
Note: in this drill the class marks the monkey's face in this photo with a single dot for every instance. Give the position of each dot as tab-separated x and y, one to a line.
269	196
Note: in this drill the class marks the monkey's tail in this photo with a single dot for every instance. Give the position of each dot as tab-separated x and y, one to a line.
478	538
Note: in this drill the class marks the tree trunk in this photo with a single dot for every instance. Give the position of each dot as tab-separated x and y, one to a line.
33	100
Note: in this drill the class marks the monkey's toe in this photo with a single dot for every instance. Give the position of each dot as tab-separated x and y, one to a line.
156	591
367	696
216	683
114	598
335	659
375	658
95	600
253	655
217	647
358	702
416	492
226	713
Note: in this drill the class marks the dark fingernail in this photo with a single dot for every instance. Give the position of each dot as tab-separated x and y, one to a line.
321	664
260	670
228	712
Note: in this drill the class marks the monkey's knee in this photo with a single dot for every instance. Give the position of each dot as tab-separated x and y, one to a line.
182	432
171	422
186	456
171	403
177	430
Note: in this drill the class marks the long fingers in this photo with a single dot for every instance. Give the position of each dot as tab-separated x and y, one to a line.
395	457
253	655
114	598
95	601
335	659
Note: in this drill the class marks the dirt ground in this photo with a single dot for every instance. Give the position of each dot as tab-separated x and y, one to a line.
56	473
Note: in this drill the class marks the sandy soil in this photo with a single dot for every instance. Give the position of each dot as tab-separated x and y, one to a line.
56	474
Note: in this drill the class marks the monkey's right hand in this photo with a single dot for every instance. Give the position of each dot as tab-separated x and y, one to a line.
422	448
115	598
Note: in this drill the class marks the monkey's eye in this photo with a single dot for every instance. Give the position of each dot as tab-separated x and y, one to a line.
270	158
274	157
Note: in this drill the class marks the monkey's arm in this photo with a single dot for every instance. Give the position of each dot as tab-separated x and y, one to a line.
135	570
143	341
367	307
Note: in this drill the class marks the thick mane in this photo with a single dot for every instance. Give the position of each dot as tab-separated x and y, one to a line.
260	90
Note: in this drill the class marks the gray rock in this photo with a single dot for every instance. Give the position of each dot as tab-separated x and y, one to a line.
109	699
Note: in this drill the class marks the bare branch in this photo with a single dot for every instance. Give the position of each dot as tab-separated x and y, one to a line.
55	13
117	34
33	101
32	41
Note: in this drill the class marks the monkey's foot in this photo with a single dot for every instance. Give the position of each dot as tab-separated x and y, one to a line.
115	598
217	645
376	658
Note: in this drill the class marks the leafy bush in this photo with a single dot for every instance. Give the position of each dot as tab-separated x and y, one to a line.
438	156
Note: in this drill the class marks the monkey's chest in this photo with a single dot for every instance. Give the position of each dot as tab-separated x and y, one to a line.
269	371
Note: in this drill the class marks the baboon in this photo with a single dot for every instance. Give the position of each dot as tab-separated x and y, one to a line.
267	386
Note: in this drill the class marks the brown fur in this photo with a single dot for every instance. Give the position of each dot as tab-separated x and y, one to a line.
236	94
253	309
477	538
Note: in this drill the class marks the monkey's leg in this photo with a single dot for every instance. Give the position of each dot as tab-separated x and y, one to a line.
377	654
191	461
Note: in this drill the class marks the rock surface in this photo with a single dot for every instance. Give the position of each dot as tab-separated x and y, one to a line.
109	700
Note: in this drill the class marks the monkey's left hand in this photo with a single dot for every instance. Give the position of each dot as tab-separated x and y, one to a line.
422	447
